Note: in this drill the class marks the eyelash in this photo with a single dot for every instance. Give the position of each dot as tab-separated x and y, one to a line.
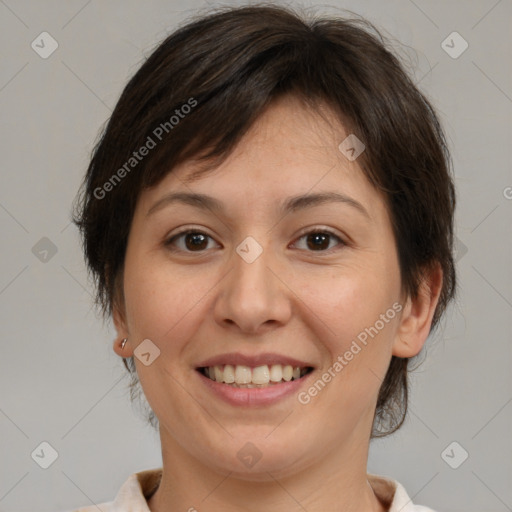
169	242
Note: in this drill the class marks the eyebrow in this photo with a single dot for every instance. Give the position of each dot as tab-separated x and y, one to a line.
291	204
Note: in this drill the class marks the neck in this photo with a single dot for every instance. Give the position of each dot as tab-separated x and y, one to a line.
327	484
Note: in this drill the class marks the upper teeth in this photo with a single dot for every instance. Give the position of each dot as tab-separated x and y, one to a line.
240	374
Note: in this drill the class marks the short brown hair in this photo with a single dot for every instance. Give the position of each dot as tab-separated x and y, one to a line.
232	63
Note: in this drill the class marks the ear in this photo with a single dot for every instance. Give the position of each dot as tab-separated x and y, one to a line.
417	315
119	318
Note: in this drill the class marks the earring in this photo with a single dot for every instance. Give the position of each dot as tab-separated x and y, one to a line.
123	343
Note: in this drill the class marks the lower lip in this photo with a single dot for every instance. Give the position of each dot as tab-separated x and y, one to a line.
254	396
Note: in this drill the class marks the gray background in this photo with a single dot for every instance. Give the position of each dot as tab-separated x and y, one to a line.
60	381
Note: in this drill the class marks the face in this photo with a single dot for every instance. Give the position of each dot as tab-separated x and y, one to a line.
254	282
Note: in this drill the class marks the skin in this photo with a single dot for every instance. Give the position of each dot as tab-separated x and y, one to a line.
293	299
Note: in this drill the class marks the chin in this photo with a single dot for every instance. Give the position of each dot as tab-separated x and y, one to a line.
259	460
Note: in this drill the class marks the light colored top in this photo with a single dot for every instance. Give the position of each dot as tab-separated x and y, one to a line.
139	487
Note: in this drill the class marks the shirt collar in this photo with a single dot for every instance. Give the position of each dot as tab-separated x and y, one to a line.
138	488
134	493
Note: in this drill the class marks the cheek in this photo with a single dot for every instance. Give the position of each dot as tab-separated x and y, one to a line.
359	347
350	299
159	298
356	307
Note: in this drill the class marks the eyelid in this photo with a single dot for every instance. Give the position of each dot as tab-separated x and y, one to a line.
305	231
319	228
322	229
168	241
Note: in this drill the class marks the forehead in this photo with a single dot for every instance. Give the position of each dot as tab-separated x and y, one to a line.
291	149
287	126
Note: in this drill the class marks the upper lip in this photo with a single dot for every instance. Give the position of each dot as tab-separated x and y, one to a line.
267	358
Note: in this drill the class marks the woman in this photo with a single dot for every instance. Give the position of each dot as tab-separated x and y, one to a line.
269	220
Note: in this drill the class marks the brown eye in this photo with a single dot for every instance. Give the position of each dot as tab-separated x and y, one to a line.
197	241
320	240
192	241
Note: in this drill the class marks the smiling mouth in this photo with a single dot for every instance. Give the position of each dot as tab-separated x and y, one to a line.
240	376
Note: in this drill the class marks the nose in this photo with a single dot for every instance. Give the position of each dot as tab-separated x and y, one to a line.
253	295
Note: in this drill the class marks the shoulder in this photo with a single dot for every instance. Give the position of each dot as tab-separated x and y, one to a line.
134	492
394	495
103	507
100	507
